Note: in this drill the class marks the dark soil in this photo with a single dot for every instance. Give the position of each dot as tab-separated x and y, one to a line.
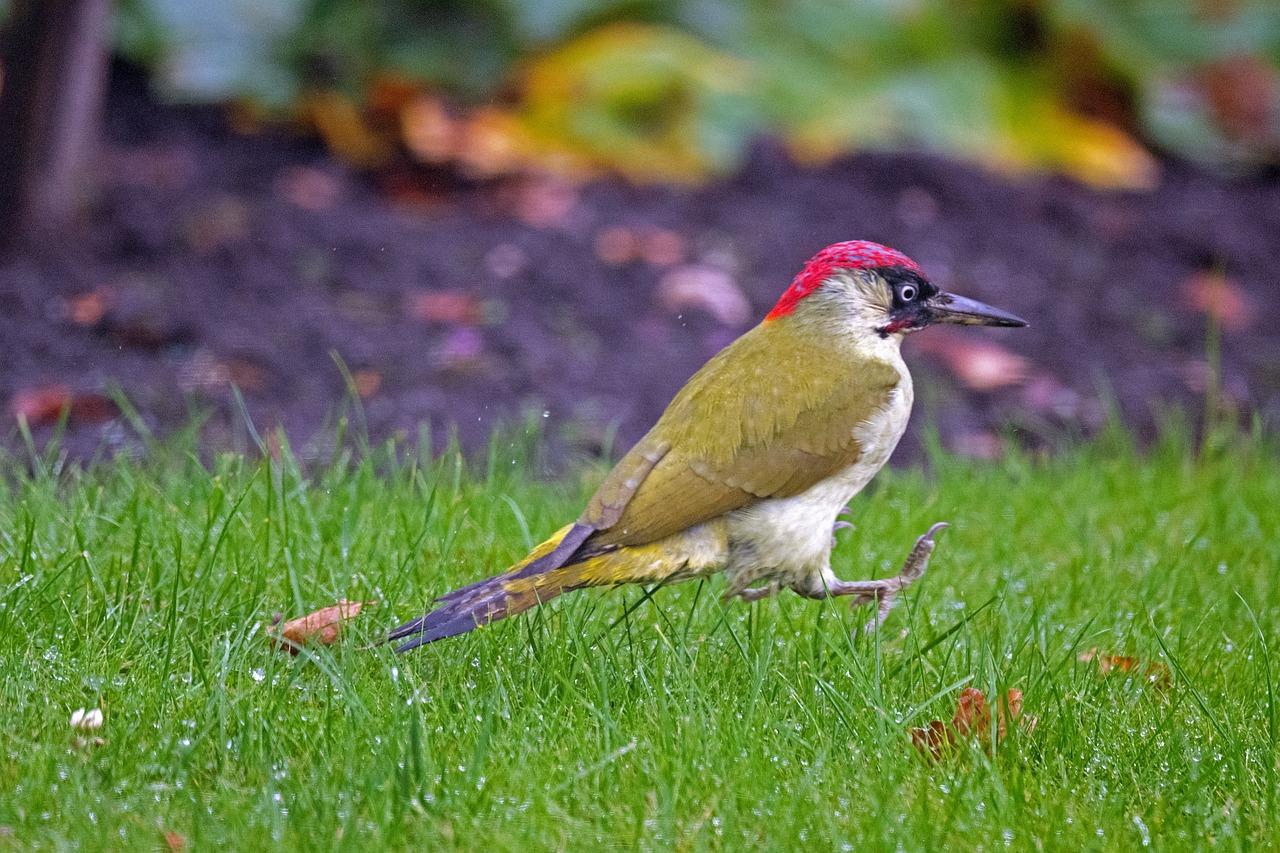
214	258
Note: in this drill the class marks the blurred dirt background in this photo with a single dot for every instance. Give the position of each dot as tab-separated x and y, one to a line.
215	258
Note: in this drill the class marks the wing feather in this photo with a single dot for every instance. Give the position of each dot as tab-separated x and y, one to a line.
731	437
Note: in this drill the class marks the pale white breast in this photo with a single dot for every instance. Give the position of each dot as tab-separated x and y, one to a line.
791	537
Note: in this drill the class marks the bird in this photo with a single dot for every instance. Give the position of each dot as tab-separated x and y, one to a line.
747	470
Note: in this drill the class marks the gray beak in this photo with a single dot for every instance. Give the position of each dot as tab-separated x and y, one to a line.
950	308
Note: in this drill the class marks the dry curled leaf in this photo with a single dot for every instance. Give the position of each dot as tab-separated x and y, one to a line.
971	721
1152	672
321	627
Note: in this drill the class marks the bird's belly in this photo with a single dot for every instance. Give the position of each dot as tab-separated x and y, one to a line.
789	539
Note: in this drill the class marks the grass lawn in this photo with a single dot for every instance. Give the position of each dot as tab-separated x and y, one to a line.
144	589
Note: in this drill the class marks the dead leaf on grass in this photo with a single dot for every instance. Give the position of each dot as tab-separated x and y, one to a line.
971	721
1152	672
321	627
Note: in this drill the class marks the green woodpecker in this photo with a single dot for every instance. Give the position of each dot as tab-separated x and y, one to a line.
750	465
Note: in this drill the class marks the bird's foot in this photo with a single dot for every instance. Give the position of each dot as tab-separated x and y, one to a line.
885	595
753	593
884	592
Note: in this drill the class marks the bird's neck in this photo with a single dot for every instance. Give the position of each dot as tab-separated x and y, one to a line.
849	332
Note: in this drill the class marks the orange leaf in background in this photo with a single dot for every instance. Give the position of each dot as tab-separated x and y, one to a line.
493	142
1217	296
391	92
972	720
174	841
663	248
1154	673
980	364
86	309
1243	92
321	627
429	132
44	405
450	307
367	382
617	245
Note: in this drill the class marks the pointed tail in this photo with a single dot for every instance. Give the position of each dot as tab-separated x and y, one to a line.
538	578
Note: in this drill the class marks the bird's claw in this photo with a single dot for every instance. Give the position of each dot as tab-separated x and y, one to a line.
885	595
837	527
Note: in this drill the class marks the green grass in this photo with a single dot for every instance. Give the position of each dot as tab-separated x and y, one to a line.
143	588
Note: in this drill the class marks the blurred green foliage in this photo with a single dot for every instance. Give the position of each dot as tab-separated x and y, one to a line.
676	88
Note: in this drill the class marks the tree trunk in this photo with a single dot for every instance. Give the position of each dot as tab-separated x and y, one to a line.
54	66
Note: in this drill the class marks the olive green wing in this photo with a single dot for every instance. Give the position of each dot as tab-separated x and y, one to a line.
732	436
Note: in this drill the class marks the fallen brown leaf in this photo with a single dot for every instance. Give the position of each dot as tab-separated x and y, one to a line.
321	627
972	721
1154	673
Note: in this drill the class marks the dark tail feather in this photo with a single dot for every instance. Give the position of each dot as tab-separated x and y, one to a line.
538	578
484	602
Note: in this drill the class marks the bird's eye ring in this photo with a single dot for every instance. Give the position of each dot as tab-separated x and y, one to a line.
907	293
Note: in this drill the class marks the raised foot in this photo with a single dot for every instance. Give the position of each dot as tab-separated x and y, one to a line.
884	593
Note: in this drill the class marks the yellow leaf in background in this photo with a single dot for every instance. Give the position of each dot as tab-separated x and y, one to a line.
1042	135
343	126
648	102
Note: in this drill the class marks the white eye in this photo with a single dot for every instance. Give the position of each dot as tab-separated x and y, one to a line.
907	293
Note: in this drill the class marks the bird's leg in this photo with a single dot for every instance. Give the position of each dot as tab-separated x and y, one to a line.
883	592
754	593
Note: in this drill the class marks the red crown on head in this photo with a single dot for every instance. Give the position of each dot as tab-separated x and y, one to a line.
849	255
